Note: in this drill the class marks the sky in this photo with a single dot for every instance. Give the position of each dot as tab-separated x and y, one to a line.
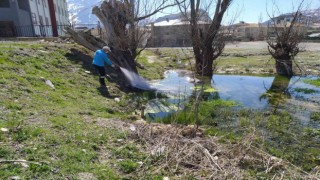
244	10
251	10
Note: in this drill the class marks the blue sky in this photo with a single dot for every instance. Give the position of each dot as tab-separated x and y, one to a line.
251	10
245	10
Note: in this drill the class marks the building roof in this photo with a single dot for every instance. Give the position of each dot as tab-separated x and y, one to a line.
314	35
179	19
244	24
176	22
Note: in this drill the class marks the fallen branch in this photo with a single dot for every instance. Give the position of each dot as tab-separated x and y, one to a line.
19	161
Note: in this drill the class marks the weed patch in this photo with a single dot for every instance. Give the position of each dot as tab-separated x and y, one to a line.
305	90
315	82
315	116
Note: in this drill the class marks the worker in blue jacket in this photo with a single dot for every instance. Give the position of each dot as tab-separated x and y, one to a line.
101	57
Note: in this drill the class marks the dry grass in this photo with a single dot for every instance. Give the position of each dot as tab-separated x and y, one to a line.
181	152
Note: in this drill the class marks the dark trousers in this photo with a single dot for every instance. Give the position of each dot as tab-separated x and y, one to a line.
102	73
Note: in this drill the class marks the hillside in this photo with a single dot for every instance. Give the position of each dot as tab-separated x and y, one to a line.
72	130
54	130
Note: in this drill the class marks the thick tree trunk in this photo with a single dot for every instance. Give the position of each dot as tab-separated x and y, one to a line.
284	67
204	63
209	44
118	57
283	61
285	45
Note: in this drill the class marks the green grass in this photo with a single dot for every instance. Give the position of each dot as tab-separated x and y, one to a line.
156	69
305	90
315	116
65	130
206	113
53	127
315	82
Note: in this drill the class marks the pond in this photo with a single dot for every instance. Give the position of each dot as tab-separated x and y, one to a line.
255	92
249	91
276	109
176	87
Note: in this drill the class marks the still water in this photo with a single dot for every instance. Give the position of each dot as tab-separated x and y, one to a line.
249	91
255	92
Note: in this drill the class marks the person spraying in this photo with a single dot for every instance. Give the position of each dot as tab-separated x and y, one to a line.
99	60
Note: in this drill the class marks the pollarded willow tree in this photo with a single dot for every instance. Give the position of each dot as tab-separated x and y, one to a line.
208	43
283	42
124	22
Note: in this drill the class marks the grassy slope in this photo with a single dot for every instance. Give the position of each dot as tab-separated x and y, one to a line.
68	130
57	128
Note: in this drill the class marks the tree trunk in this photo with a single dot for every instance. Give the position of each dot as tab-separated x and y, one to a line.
284	67
118	57
207	43
283	61
285	45
205	62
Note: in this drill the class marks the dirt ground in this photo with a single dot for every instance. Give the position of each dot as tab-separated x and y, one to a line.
308	46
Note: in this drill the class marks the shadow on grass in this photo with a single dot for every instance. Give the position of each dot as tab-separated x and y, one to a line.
105	92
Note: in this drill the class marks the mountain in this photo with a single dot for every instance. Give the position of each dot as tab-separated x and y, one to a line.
314	13
204	16
80	11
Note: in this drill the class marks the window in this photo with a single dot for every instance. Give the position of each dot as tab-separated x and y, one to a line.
47	21
38	1
44	3
40	20
4	4
34	18
23	4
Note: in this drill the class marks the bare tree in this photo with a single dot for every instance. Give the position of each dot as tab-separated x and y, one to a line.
124	22
208	43
283	42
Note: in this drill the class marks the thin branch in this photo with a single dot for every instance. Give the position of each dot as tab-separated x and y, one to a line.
19	161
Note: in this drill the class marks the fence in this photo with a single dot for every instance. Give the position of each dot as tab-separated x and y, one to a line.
46	30
95	29
32	31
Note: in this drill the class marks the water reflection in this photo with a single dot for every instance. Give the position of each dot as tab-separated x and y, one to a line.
256	92
176	88
261	92
278	92
245	90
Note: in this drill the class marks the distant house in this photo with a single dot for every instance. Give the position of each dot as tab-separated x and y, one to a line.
285	20
174	30
303	24
248	31
32	18
252	31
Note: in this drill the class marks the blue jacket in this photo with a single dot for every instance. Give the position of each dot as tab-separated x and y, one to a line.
100	57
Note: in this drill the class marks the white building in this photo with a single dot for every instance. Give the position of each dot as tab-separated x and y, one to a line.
40	15
61	14
33	17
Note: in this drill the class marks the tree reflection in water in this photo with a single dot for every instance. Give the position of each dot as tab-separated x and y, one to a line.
278	92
